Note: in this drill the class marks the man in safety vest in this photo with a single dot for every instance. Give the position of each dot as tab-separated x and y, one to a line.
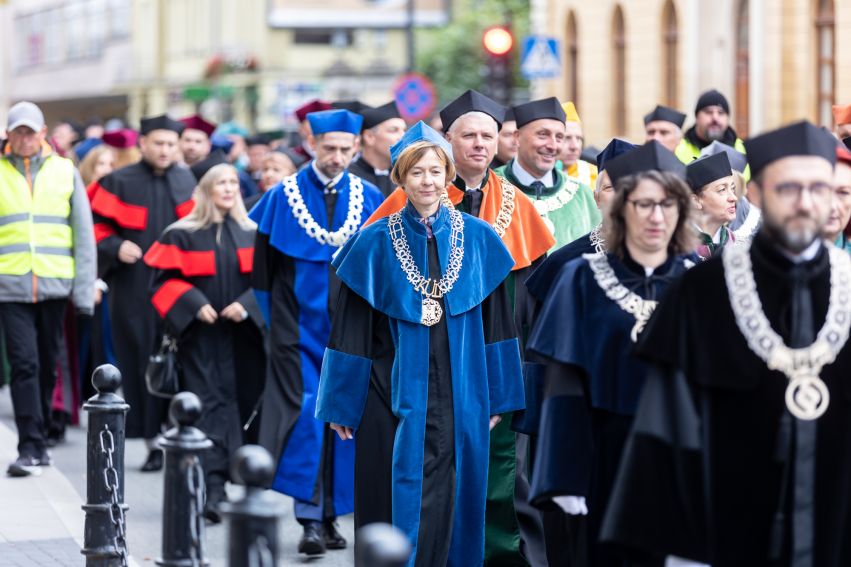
47	255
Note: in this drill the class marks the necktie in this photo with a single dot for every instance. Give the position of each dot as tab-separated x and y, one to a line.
538	187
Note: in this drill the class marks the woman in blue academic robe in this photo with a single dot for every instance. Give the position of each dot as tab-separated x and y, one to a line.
423	356
585	334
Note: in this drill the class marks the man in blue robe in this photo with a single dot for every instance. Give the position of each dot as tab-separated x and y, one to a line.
301	223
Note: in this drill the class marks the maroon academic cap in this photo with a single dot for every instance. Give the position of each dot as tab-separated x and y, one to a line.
315	105
121	139
196	122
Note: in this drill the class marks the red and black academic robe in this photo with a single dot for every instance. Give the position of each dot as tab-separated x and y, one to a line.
223	363
135	204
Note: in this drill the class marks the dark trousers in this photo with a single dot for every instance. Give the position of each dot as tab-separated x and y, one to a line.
33	333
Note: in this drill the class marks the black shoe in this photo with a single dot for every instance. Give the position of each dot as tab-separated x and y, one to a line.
333	539
215	496
54	437
25	465
154	462
212	514
312	542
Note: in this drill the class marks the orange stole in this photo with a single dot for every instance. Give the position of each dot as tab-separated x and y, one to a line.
527	237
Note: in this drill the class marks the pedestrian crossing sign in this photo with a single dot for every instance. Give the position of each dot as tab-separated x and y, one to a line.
540	59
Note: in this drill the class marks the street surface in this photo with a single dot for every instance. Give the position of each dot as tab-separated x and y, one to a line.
41	522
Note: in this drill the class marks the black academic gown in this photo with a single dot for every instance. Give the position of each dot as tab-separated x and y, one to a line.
223	363
135	204
364	170
592	383
711	469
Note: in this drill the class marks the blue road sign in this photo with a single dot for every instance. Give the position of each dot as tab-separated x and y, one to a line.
541	57
415	96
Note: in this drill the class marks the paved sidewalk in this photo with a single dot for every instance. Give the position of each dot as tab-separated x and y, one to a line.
41	522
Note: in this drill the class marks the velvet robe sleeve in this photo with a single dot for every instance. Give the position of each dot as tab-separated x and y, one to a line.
658	505
107	235
248	299
502	351
176	299
347	363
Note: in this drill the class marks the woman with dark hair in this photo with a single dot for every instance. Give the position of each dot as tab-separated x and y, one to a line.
596	309
714	197
202	288
423	357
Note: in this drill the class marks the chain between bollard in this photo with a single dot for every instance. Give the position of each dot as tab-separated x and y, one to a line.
116	512
259	553
197	489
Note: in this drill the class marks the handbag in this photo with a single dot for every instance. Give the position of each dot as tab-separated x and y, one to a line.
162	375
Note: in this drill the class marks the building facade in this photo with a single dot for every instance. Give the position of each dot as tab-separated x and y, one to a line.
775	60
251	61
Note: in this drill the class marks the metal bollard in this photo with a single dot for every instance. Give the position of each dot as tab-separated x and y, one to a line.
381	545
253	521
184	494
105	532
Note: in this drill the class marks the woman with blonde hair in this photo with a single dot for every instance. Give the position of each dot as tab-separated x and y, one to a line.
202	288
422	358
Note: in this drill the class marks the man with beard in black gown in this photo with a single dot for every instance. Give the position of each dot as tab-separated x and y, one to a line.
741	449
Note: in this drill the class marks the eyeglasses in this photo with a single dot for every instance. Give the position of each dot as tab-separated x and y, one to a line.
645	207
792	190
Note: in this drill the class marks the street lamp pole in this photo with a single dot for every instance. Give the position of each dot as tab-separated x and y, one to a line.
410	36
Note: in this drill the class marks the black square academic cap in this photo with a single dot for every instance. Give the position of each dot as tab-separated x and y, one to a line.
355	106
161	122
666	114
257	140
615	148
215	158
509	115
703	171
372	117
650	156
471	101
798	139
539	110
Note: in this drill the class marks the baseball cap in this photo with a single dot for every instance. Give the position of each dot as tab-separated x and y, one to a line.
25	114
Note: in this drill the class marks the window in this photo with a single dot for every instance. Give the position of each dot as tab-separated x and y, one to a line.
572	59
825	61
670	37
619	72
742	69
338	38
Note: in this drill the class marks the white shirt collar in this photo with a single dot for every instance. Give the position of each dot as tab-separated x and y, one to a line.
326	181
806	255
525	178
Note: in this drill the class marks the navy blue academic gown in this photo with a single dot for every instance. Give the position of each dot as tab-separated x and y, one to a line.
296	291
421	397
592	383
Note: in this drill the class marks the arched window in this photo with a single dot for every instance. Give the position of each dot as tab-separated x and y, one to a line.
670	37
572	59
825	61
742	68
619	72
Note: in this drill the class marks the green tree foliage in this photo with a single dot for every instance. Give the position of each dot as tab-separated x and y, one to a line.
453	56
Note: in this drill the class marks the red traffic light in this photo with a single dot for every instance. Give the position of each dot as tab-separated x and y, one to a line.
498	40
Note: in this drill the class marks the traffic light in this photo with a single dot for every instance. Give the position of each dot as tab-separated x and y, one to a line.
498	42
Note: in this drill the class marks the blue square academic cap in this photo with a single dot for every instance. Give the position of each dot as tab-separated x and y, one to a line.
615	148
221	142
650	156
738	160
339	120
419	132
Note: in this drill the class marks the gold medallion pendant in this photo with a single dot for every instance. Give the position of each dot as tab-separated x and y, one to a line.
431	312
807	397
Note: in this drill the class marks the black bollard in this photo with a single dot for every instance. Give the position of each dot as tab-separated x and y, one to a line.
105	532
253	521
184	494
381	545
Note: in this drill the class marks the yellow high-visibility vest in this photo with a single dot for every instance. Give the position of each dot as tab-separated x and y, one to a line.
35	228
